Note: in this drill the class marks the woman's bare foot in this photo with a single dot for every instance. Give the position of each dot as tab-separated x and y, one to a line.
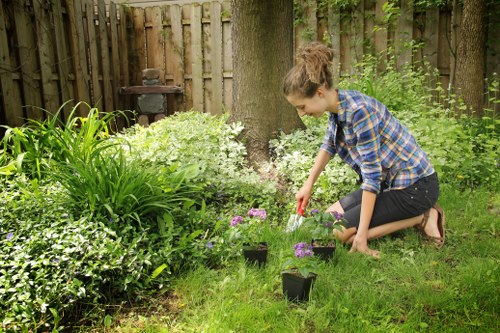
431	228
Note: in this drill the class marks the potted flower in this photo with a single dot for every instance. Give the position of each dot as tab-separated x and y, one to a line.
322	226
247	231
298	275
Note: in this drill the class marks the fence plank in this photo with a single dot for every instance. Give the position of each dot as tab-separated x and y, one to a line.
94	61
431	36
65	85
124	46
196	58
154	40
369	22
139	45
404	34
115	57
380	34
174	55
12	105
45	47
456	18
27	54
334	28
227	62
216	47
79	55
358	25
104	57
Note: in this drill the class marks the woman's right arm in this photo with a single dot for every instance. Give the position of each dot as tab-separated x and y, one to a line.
304	194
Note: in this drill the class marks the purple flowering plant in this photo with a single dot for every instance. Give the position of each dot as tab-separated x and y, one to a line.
303	261
322	225
247	229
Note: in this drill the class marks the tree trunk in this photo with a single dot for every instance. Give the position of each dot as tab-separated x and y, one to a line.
262	33
471	56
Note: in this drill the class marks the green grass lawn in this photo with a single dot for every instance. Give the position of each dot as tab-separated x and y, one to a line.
413	288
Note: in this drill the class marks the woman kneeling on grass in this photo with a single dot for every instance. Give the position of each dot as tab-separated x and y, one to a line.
399	186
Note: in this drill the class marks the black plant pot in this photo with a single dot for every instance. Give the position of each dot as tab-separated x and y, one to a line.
324	252
255	254
297	287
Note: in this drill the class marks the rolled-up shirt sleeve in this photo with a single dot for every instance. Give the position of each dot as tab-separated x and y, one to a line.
365	125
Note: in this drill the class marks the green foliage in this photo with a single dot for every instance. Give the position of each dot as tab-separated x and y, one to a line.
52	260
33	148
247	230
321	225
109	185
302	262
212	144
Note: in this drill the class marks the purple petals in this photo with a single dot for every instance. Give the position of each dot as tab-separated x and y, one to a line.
236	220
303	250
260	213
338	216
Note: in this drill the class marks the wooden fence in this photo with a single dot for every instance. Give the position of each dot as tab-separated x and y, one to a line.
52	51
55	50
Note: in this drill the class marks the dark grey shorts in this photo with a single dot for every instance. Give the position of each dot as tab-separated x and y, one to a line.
394	205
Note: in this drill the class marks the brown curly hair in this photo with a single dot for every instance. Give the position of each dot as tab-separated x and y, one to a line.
311	71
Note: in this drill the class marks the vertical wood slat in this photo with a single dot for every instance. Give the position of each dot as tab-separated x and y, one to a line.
334	28
380	34
123	45
404	34
66	90
12	107
178	53
115	58
77	43
94	61
369	22
227	60
139	45
28	65
154	40
196	58
216	46
455	26
104	57
431	36
50	96
359	28
178	45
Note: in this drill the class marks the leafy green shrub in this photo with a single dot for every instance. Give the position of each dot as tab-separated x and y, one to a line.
51	260
211	143
31	149
109	185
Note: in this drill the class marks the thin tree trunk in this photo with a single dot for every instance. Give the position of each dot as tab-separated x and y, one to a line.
471	56
262	32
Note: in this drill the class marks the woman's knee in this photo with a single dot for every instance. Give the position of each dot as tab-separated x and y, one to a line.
336	207
345	234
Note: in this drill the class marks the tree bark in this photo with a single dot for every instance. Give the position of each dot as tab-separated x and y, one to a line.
471	56
262	33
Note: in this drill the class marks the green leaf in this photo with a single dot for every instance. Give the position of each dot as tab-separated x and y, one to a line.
158	271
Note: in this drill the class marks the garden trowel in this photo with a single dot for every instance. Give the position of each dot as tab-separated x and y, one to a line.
295	220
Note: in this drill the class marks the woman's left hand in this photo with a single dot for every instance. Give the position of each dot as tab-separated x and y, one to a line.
360	244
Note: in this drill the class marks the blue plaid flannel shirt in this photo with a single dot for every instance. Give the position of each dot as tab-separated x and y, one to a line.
374	143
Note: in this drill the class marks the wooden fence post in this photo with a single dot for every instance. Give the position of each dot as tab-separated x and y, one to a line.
12	106
197	58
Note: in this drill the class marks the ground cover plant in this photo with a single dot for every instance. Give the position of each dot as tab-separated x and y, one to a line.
128	232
